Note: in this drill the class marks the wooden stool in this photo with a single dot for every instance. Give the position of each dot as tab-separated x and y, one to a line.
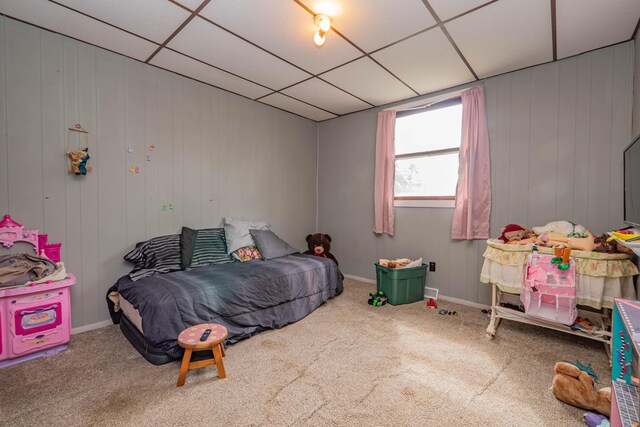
189	339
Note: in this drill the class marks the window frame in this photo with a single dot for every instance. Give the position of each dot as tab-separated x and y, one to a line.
424	201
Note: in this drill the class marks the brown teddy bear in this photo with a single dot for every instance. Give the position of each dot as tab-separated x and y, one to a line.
577	388
320	245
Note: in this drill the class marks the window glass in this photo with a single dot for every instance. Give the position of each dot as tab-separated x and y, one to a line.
427	176
432	130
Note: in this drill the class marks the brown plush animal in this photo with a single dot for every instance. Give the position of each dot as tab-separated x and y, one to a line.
320	245
76	157
575	387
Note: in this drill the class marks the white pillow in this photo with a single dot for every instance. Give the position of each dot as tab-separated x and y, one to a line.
237	232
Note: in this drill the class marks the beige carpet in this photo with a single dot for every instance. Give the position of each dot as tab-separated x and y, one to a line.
346	364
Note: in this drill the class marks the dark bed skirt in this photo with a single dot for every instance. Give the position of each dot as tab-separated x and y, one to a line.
151	353
140	343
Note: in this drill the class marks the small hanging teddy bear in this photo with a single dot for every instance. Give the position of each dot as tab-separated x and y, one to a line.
79	161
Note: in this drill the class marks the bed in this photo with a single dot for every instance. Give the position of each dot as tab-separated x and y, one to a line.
245	297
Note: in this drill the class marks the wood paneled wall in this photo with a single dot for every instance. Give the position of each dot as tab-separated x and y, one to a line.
217	154
636	87
557	132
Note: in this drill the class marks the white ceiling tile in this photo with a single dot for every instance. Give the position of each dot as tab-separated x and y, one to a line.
585	25
282	27
446	9
191	4
64	21
191	68
505	36
325	96
367	80
152	19
206	42
297	107
427	62
374	24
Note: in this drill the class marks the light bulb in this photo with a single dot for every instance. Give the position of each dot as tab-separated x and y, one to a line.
324	23
318	39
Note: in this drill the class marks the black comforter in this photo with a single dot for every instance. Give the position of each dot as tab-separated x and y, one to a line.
246	297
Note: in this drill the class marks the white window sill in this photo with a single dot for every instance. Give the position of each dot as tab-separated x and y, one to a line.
424	203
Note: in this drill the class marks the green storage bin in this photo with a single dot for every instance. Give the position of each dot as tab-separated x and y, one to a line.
401	285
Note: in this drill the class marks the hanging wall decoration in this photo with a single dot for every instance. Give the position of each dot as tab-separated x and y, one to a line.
79	159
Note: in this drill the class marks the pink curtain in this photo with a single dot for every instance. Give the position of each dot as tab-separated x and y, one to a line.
385	173
473	193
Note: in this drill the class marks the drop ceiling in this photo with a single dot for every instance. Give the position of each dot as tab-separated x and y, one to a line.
378	51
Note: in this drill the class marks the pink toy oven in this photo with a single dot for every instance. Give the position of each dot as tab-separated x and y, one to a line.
35	320
550	293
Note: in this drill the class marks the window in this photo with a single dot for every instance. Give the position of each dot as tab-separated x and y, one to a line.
427	144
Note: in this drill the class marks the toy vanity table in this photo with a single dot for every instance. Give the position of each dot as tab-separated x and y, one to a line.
624	366
599	279
35	320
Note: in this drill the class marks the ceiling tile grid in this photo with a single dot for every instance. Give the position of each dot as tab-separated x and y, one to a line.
504	36
152	19
378	51
374	24
317	92
427	62
585	25
181	64
281	27
64	21
367	80
287	103
206	42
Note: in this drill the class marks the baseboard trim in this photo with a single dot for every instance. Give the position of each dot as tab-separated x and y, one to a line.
440	297
462	302
359	279
91	327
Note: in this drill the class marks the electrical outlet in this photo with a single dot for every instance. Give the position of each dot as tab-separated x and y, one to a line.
432	266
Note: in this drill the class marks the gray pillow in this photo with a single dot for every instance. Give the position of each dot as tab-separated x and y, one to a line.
237	232
270	245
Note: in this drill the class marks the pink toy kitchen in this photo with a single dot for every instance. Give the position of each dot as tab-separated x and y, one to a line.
35	306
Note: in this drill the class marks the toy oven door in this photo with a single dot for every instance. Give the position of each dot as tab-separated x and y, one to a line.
36	319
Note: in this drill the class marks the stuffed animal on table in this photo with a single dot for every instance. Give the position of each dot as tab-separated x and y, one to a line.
562	227
576	387
603	245
512	233
319	244
583	241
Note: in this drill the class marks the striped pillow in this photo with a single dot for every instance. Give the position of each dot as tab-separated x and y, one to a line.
157	255
203	247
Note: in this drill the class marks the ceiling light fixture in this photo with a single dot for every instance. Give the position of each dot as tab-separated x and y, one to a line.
323	22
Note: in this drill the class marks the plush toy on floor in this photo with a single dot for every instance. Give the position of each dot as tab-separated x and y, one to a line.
593	419
576	387
320	245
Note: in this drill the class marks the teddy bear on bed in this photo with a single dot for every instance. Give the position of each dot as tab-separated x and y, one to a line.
319	244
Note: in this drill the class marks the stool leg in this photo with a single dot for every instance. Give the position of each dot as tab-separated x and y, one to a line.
222	348
217	355
184	367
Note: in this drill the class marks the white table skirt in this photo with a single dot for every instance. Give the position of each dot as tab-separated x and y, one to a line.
596	292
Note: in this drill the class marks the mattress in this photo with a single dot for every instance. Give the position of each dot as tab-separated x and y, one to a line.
246	298
131	313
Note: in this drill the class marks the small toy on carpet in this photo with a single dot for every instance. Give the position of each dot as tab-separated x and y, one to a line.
447	312
486	312
583	325
377	299
432	303
593	419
